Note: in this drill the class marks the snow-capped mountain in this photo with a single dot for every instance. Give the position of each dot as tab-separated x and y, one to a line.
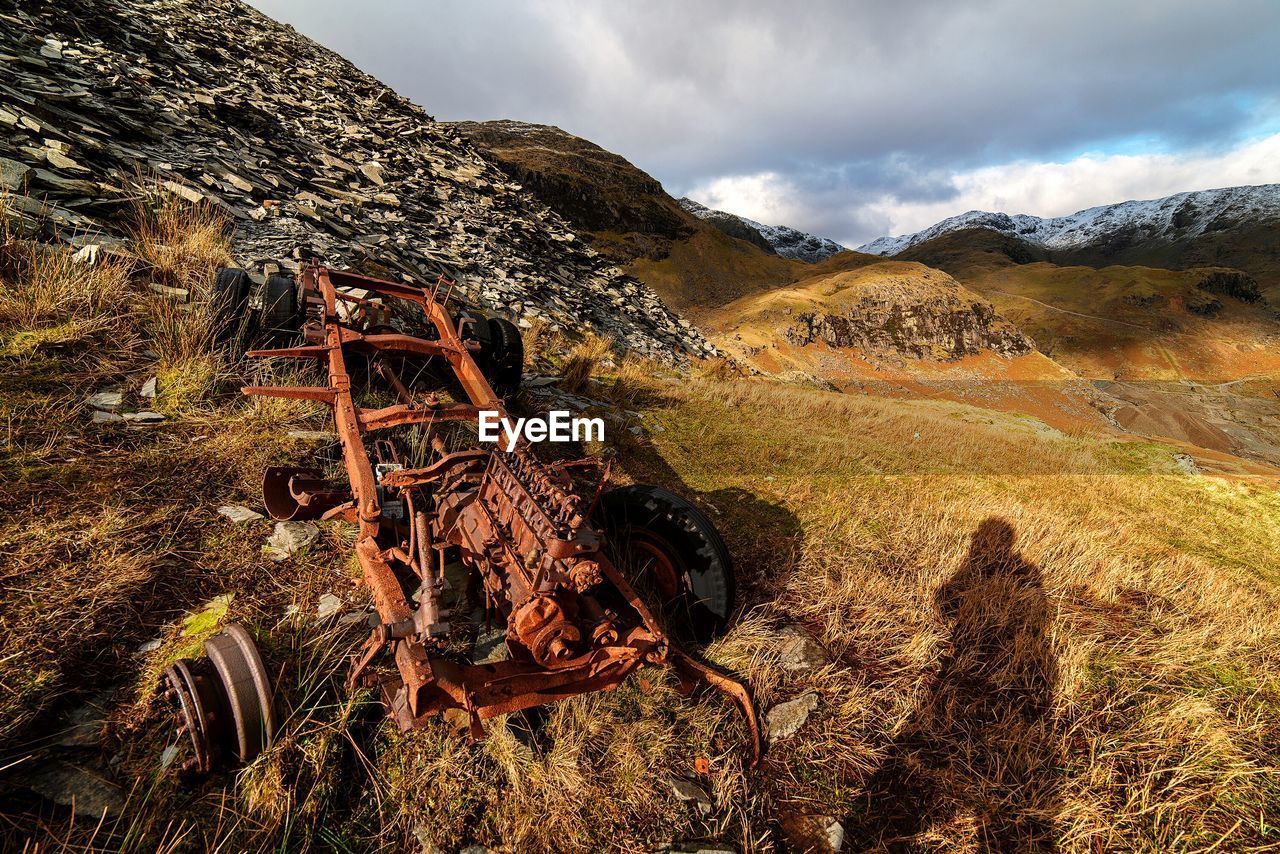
785	241
1177	217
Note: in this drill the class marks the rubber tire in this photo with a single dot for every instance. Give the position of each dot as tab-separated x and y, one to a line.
506	359
704	602
229	301
279	308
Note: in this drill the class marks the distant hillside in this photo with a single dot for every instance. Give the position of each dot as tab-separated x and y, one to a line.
785	241
596	190
693	263
1230	227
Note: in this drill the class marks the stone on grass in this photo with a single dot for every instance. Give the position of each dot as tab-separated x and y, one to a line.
144	417
148	389
690	792
785	719
240	514
82	726
328	606
821	834
86	790
107	401
290	538
797	650
101	417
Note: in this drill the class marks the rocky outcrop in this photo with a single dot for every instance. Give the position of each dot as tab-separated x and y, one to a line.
941	326
1231	283
306	154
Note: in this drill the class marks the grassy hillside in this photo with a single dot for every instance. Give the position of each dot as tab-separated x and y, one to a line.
689	262
1028	636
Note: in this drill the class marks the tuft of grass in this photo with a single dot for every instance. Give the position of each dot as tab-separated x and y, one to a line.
179	243
583	360
48	297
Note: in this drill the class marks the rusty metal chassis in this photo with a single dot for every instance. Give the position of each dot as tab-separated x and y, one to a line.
518	523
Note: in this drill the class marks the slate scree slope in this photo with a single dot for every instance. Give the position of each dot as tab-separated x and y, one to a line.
308	155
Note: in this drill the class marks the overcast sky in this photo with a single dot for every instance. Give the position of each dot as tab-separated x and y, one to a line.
854	120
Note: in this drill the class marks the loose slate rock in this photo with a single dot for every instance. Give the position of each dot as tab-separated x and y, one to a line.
107	401
127	88
144	417
821	834
785	719
290	538
86	790
689	791
240	514
328	606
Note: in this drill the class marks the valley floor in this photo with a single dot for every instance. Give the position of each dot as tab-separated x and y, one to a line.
1013	636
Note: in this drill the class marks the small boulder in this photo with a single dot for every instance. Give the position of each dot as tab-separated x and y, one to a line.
690	792
821	834
82	726
85	790
797	650
328	606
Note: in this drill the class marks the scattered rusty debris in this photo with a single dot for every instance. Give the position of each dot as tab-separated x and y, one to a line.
548	550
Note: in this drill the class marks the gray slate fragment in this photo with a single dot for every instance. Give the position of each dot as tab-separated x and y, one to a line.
328	606
107	401
290	538
785	719
797	650
87	790
240	514
11	174
691	792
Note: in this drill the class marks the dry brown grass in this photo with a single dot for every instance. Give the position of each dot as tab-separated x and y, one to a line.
179	244
1031	637
583	361
50	299
1102	675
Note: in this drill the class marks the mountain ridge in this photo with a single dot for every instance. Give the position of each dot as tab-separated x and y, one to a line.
1186	214
780	239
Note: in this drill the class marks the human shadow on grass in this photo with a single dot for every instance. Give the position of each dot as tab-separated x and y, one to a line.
981	745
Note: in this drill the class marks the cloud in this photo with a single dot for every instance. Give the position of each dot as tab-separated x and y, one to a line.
874	99
1039	188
